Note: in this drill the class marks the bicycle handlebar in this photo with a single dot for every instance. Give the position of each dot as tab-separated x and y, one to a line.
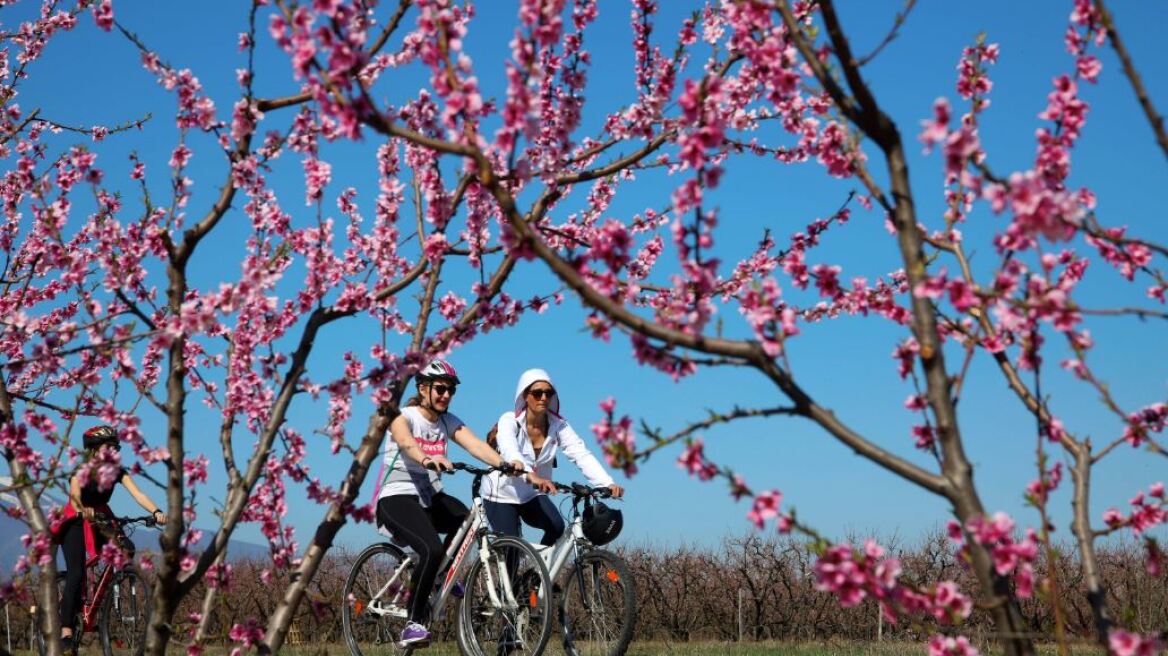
145	520
505	468
579	490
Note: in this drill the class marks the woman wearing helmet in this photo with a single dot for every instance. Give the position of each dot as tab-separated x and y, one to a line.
411	503
533	433
80	537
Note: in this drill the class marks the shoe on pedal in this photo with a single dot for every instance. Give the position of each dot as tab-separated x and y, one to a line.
414	635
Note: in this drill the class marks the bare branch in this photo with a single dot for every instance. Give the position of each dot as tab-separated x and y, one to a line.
660	442
1129	69
898	22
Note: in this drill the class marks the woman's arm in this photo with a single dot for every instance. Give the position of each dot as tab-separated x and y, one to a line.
400	431
466	438
75	498
507	436
574	448
147	504
481	450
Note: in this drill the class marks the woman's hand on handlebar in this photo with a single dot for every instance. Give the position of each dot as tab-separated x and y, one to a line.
437	463
617	491
541	484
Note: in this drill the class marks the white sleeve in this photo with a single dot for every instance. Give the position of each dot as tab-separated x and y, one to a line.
507	437
573	447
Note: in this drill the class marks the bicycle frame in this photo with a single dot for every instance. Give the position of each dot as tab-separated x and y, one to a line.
569	544
91	607
474	527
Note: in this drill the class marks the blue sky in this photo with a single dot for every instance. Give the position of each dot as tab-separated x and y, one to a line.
89	77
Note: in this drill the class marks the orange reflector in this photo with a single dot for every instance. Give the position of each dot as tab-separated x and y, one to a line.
613	576
358	607
533	599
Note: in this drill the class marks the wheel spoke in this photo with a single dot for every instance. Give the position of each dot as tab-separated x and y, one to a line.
598	606
375	601
503	611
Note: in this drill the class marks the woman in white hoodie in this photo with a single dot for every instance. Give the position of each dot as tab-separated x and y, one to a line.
534	433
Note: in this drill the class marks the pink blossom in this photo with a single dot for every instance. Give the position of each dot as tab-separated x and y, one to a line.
765	506
1123	643
317	174
692	459
249	634
925	437
949	646
103	14
180	156
1088	68
937	129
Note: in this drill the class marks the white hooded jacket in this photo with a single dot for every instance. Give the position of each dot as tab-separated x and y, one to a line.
514	444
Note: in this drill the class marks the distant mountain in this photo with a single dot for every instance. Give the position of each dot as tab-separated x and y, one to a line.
144	539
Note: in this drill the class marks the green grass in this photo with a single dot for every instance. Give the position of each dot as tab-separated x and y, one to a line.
707	648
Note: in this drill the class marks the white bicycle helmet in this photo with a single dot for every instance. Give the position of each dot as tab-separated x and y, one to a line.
438	369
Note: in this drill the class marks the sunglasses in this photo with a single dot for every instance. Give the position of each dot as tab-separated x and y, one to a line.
443	390
541	394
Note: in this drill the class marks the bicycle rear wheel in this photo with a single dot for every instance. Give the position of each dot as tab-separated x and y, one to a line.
506	610
598	606
375	601
125	614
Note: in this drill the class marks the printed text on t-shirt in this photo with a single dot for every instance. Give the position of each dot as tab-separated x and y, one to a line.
432	444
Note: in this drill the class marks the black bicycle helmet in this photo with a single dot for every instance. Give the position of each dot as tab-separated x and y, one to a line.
99	436
601	523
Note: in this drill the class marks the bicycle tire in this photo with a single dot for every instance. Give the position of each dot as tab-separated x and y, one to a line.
372	626
487	629
599	582
125	614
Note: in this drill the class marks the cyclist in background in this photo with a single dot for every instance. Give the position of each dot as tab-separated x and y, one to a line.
533	433
411	503
78	533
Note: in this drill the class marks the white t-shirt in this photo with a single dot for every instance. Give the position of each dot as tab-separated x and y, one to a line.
404	475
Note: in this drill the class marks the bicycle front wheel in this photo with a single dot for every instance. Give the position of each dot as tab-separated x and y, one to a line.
125	615
598	606
506	609
375	602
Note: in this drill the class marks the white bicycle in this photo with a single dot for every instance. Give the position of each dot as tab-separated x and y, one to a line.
595	591
504	607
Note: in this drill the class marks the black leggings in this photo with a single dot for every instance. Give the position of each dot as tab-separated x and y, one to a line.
539	512
419	527
73	548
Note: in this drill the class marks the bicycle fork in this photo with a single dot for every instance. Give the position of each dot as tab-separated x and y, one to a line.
490	561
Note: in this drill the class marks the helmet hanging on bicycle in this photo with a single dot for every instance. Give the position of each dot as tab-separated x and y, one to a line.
99	436
438	369
601	524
